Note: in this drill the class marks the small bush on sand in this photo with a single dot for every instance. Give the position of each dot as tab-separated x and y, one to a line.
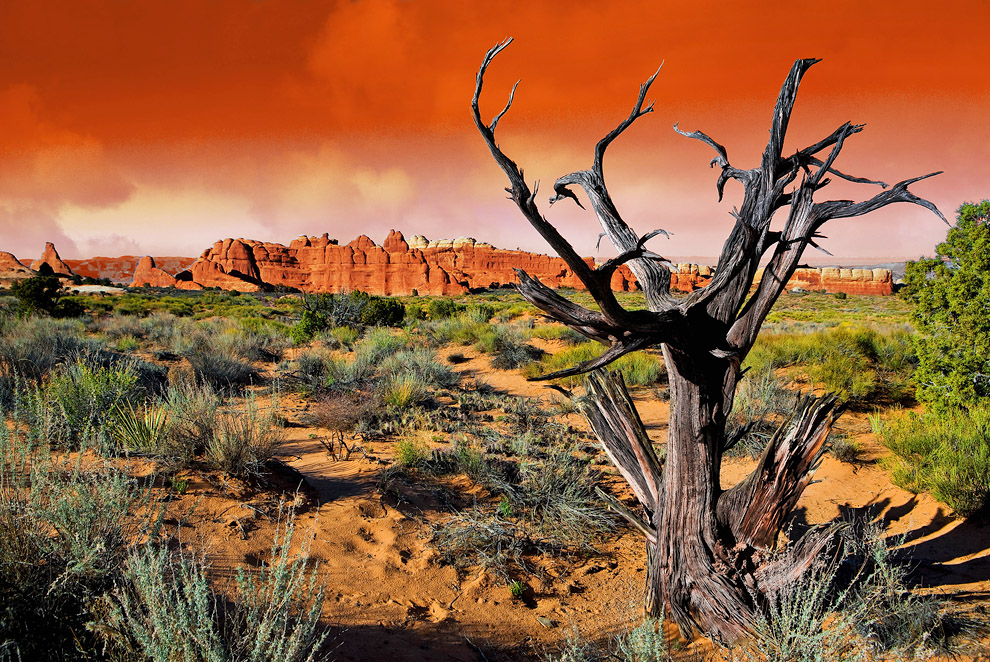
191	409
244	440
944	452
761	404
79	401
166	611
64	533
221	370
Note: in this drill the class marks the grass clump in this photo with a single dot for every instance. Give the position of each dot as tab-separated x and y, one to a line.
140	431
637	368
243	441
946	453
762	402
858	363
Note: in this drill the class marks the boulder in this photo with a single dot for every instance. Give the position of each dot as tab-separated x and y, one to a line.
51	258
146	273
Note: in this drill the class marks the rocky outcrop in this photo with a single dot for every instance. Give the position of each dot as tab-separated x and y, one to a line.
835	279
146	273
12	269
121	269
440	267
397	267
51	258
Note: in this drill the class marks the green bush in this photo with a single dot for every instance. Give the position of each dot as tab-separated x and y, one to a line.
441	308
43	294
383	311
951	293
79	401
944	451
858	363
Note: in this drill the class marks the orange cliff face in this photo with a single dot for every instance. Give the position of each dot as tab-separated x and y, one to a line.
320	264
444	267
398	267
121	269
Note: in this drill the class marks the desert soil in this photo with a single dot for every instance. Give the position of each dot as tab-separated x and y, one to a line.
391	599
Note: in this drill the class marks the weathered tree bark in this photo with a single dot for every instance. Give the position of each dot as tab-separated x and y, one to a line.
712	554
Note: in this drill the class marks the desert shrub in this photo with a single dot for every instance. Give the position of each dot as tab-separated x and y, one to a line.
441	307
243	441
115	328
222	370
456	330
35	346
312	369
191	410
843	449
557	497
383	311
411	452
403	390
165	328
341	336
507	348
480	312
644	642
761	404
476	537
945	452
64	533
814	620
325	311
78	401
308	326
422	363
379	344
557	332
166	611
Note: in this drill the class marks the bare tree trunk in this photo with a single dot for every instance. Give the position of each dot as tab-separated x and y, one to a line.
711	553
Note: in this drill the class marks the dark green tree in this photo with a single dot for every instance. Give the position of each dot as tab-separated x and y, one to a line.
38	294
951	293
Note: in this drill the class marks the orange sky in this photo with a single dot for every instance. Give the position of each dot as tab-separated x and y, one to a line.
159	126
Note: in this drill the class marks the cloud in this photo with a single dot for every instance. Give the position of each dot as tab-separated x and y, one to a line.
24	231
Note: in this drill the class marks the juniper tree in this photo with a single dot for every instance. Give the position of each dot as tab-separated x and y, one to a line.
711	552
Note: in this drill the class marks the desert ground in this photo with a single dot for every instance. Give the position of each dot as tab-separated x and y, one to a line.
413	501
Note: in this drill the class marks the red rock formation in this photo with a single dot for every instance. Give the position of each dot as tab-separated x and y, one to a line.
444	267
12	269
849	281
121	269
146	273
51	258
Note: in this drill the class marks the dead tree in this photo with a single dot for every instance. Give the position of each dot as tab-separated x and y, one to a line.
711	552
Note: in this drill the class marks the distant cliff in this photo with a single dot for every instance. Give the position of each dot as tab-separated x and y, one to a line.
397	267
